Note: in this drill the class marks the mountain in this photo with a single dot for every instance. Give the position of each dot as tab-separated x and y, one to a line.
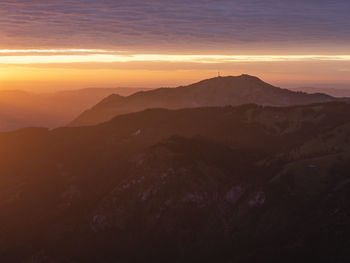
220	91
214	184
19	109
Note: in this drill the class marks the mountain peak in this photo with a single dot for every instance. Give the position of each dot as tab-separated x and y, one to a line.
243	77
248	77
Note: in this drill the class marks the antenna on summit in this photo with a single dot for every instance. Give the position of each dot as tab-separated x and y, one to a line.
219	74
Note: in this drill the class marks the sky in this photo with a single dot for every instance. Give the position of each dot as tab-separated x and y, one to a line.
52	45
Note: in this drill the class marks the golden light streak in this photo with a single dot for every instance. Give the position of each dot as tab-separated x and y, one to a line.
37	56
6	51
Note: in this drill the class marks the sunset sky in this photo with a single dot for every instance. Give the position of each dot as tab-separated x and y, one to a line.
52	45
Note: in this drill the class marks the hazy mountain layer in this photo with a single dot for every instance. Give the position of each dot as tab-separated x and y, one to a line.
230	184
335	92
19	109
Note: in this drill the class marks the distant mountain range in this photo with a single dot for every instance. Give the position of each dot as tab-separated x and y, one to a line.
19	109
335	92
220	91
216	184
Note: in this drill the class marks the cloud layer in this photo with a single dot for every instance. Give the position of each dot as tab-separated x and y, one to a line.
175	25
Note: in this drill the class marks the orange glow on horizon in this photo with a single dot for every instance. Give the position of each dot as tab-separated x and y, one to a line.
57	69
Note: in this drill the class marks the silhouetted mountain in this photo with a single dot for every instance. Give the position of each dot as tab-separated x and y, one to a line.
230	184
219	91
19	109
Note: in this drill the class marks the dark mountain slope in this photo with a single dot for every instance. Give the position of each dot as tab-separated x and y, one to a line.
192	185
221	91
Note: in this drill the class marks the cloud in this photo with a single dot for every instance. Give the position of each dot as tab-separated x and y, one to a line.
173	25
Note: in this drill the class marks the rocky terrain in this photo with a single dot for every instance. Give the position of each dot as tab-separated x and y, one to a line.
215	184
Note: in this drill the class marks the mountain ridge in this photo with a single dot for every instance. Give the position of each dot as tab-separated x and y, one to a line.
219	91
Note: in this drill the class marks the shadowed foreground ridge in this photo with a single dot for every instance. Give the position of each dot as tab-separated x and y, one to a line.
220	91
214	184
